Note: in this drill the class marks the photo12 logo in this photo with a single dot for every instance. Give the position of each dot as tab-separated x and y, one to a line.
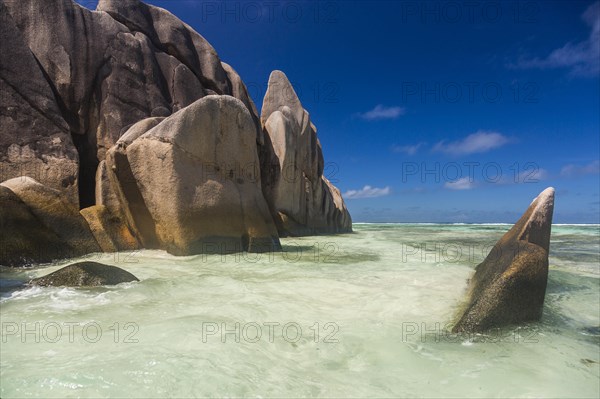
469	12
254	12
469	172
293	252
439	332
470	92
70	332
271	332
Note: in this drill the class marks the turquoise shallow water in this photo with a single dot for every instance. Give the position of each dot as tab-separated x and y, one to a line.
357	315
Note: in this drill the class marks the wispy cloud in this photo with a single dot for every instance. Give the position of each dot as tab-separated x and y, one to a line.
382	112
367	192
531	173
464	183
571	170
582	58
480	141
407	149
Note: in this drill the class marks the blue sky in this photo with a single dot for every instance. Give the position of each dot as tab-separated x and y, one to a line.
432	111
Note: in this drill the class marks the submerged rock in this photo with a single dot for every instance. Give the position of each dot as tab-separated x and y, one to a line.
592	331
509	286
85	274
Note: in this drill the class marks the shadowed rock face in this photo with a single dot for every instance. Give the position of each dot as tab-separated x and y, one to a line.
24	239
85	274
34	138
50	210
509	286
301	199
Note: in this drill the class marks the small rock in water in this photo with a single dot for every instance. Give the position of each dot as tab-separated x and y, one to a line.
85	274
595	331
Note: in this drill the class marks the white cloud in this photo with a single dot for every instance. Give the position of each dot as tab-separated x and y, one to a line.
407	149
464	183
367	192
582	58
480	141
593	168
382	112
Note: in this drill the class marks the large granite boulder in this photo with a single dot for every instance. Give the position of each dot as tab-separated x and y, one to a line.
197	183
171	36
85	274
24	239
107	69
102	109
50	209
191	54
301	199
509	286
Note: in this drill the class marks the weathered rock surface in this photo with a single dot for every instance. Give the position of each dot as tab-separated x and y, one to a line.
509	286
111	69
198	187
301	199
109	230
52	211
87	95
24	239
105	192
34	138
85	274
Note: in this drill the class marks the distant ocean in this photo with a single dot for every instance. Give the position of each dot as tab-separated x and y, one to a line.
356	315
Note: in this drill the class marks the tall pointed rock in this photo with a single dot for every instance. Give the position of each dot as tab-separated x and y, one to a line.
301	199
510	284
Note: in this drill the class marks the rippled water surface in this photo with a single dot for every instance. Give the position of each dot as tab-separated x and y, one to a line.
357	315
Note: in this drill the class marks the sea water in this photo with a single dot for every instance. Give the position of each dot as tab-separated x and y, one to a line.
356	315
